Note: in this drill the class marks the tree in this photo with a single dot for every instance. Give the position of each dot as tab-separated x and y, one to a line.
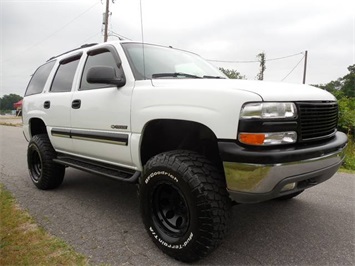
262	59
342	87
349	82
7	102
231	73
346	121
344	90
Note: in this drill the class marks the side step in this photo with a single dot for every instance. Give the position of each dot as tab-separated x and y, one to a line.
111	171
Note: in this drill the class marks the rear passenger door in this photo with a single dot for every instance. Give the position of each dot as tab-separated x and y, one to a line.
100	113
57	103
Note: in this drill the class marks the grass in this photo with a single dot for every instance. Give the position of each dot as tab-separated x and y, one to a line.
349	162
22	242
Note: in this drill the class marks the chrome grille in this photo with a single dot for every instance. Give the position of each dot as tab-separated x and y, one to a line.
318	120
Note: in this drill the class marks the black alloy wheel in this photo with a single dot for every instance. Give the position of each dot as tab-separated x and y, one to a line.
35	165
170	210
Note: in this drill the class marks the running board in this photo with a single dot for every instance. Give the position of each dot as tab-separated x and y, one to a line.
111	171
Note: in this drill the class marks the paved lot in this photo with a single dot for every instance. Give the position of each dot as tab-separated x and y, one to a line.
100	218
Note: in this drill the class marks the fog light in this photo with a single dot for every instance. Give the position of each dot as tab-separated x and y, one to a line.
289	186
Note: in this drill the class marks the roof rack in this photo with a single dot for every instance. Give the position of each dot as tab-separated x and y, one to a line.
83	46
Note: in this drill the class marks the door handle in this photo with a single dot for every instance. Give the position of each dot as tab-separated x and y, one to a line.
76	104
47	104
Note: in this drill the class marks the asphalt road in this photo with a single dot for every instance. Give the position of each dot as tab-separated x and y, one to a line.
100	218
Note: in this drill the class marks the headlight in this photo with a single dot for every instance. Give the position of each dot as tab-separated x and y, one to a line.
269	110
268	123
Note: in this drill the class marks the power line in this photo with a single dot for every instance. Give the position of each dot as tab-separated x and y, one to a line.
252	61
92	36
52	34
120	36
293	68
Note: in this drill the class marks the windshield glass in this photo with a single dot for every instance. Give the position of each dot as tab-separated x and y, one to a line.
165	62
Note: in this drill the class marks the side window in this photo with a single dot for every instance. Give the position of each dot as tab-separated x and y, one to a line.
98	58
39	79
64	77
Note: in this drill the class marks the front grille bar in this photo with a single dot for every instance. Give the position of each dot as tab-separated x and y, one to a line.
317	120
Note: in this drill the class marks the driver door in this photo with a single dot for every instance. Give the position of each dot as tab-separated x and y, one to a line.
100	114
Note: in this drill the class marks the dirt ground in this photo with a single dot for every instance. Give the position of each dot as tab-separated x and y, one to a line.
10	120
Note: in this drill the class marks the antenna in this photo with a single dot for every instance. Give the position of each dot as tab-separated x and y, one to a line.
142	31
305	67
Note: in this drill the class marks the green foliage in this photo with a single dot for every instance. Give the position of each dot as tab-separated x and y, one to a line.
231	73
349	83
7	102
344	90
349	162
4	112
342	87
346	121
262	59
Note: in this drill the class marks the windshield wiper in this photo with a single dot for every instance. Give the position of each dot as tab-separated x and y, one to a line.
213	77
174	75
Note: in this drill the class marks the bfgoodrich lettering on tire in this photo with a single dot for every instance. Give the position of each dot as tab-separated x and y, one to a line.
44	173
184	204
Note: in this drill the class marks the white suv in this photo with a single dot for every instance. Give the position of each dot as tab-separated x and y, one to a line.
193	140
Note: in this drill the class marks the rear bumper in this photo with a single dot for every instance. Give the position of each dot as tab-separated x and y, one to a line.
255	176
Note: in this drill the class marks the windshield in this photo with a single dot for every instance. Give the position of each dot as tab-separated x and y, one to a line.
165	62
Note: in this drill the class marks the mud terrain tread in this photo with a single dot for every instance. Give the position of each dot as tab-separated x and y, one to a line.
52	174
209	186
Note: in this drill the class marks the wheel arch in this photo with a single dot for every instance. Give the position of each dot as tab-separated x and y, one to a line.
161	135
37	126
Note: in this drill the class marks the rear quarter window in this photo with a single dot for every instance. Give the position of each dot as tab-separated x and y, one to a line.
39	79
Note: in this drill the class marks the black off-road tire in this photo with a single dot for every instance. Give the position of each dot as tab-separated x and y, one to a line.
44	173
290	196
184	204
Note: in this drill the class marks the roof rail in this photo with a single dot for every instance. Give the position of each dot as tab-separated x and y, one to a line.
83	46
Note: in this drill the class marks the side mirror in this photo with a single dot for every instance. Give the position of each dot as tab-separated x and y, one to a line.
105	75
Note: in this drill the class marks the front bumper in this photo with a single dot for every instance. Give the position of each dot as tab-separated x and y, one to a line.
259	175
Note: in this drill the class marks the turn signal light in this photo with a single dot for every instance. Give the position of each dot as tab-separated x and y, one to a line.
267	139
252	138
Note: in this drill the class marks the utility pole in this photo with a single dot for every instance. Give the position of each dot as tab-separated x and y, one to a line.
106	15
262	59
305	67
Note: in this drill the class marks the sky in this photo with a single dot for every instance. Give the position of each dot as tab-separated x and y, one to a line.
223	30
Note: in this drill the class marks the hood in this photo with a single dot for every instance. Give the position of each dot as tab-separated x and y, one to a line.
268	91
